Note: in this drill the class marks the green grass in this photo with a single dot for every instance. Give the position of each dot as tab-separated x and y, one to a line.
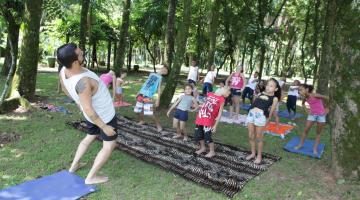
48	145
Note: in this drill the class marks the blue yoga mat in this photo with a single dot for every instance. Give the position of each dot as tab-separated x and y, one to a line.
306	149
245	106
285	114
62	185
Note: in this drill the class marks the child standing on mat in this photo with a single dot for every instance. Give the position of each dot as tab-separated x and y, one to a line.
236	82
193	77
250	88
145	98
259	115
317	114
183	106
281	82
110	78
292	98
208	118
209	81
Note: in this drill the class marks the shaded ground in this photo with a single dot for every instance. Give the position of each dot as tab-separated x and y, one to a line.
48	145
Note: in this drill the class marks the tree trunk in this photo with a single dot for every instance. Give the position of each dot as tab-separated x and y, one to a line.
307	19
243	55
170	33
129	56
315	40
94	56
181	40
344	87
108	55
24	81
326	55
114	54
119	61
214	24
13	26
261	34
199	44
85	4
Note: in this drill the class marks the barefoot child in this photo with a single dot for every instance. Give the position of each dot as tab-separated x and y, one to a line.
236	81
119	93
317	113
208	118
208	80
145	98
292	98
110	78
183	105
259	115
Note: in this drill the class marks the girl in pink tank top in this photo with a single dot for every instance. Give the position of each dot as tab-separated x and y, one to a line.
236	82
116	83
317	114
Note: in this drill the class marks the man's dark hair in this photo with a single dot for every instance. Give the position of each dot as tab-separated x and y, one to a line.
66	54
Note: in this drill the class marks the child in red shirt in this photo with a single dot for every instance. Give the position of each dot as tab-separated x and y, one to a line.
208	118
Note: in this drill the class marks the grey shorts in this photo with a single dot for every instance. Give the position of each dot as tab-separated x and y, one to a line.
256	117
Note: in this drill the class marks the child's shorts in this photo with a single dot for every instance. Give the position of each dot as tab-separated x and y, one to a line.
317	118
203	133
144	104
256	117
235	92
119	90
181	115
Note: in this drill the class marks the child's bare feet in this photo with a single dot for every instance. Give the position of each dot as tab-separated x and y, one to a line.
141	123
249	157
200	151
76	167
257	161
210	154
96	180
298	147
176	136
315	152
186	138
159	129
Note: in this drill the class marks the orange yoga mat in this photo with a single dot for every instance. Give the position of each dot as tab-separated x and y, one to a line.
281	130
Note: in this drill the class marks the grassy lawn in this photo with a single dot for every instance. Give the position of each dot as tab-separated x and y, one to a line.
47	145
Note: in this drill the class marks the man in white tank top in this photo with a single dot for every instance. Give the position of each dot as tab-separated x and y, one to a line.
94	100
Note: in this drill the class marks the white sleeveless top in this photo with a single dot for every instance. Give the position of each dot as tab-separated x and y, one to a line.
101	101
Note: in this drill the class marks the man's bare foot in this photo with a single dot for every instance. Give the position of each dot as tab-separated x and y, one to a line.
210	154
298	147
258	160
76	167
200	151
177	136
186	138
96	180
249	157
141	123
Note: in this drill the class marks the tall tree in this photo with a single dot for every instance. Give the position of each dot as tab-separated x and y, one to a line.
315	48
307	19
213	27
24	81
345	88
181	40
120	54
85	4
12	12
326	55
170	32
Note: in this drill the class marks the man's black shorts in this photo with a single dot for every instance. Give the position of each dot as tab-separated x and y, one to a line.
95	130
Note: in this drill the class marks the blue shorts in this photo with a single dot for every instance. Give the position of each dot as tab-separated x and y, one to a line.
207	88
317	118
181	115
235	92
190	81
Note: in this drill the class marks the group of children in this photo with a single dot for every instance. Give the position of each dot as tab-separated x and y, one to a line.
264	96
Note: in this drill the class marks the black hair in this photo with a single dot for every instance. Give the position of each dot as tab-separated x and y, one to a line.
310	88
66	54
223	82
189	85
277	93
